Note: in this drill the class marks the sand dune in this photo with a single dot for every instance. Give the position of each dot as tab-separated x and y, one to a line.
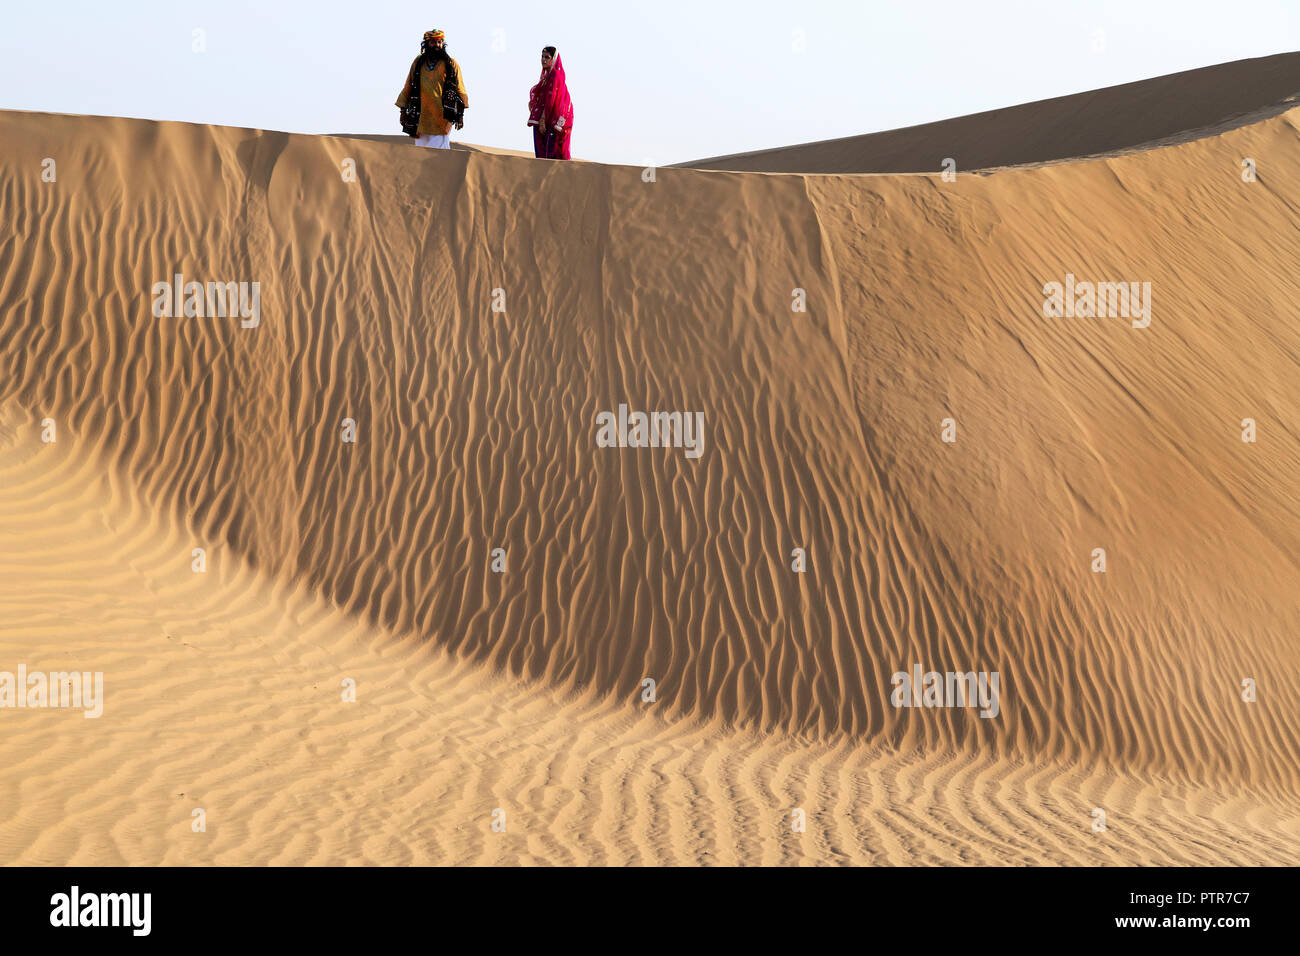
1142	114
476	430
224	697
401	139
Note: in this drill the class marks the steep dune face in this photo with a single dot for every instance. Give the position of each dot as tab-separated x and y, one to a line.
1064	127
476	429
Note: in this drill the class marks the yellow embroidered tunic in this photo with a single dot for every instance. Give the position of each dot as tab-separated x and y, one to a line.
431	119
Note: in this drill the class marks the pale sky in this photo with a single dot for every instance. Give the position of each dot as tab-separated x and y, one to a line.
652	82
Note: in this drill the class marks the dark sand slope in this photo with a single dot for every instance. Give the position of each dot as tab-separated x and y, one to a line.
1064	127
477	431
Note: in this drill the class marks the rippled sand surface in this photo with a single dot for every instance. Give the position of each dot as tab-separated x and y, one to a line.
517	695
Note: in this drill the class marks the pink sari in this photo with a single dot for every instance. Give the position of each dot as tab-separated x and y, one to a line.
549	103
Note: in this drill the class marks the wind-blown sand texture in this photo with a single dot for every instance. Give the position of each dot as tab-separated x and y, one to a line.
476	430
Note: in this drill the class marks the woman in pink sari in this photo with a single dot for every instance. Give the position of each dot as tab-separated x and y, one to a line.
550	111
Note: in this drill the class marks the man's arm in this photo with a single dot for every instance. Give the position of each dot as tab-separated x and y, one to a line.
406	87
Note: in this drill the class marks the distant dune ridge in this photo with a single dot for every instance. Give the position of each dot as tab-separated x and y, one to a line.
1100	121
500	586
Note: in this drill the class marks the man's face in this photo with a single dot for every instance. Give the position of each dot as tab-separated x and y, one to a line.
437	43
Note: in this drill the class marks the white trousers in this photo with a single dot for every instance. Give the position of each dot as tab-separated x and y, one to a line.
434	142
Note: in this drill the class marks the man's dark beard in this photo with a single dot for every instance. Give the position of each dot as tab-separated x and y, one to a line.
432	56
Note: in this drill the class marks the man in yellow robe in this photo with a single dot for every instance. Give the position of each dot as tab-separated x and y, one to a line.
434	64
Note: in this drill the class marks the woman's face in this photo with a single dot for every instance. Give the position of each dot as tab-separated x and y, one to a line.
547	61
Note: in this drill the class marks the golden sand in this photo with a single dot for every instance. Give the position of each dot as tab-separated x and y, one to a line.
521	690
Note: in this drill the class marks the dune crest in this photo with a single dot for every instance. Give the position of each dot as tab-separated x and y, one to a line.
1166	109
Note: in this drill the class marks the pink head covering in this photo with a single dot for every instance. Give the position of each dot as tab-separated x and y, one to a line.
549	99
